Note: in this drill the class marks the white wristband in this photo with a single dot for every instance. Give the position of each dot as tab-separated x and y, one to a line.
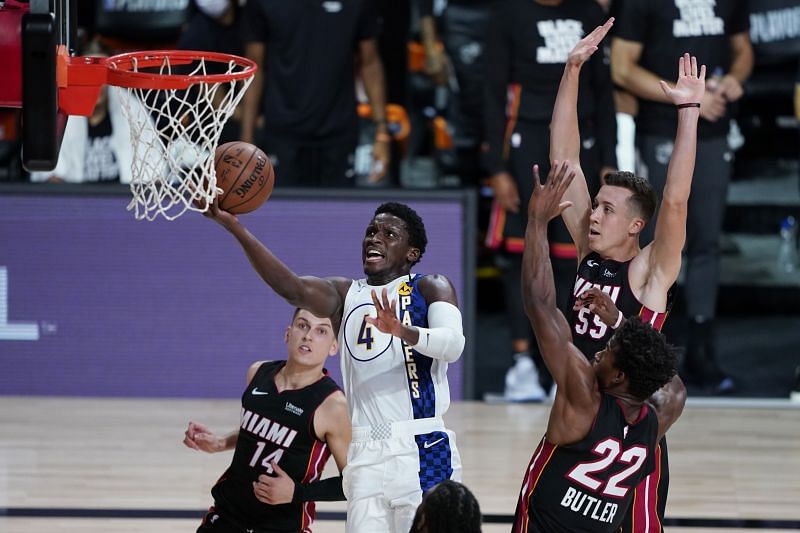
618	323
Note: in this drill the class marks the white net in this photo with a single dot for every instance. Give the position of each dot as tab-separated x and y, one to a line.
174	133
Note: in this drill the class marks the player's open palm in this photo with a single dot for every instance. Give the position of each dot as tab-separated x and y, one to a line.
386	319
545	203
589	44
691	84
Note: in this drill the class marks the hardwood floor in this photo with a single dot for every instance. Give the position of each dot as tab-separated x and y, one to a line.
89	453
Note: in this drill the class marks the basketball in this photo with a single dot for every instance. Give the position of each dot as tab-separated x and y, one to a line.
245	175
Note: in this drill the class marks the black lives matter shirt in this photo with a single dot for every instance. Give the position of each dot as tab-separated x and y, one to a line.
99	162
668	28
275	427
309	70
527	46
588	486
589	333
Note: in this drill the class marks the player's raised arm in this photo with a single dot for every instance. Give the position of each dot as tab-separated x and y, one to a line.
664	254
565	143
324	297
569	367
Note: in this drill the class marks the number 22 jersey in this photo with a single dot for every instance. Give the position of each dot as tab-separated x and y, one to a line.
587	486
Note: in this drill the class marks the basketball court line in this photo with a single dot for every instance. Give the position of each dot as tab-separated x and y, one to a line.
677	522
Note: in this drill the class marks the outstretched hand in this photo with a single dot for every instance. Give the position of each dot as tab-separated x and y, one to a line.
220	216
545	203
386	318
589	44
598	303
213	212
691	84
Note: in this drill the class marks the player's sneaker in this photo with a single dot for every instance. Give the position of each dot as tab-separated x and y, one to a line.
522	381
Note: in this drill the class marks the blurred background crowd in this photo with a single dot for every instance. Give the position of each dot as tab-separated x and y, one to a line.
424	94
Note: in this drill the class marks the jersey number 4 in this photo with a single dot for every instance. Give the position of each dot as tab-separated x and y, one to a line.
365	334
267	461
610	450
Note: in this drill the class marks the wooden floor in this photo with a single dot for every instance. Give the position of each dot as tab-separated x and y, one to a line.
76	453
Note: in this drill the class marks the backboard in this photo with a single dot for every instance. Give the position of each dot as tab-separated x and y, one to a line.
30	34
48	25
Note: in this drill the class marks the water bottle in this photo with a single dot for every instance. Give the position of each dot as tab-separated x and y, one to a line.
787	253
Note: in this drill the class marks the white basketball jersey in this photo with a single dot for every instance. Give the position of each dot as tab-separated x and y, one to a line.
385	380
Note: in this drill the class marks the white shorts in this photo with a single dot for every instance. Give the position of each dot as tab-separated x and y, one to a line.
388	469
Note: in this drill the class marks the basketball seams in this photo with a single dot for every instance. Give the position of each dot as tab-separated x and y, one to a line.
256	197
221	156
238	177
252	171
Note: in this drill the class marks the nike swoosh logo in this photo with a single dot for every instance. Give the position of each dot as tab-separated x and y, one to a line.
257	392
427	445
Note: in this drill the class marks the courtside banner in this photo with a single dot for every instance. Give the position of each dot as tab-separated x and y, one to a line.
95	303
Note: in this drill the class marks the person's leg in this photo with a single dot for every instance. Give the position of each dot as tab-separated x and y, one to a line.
704	226
214	522
646	513
655	152
432	458
528	146
335	164
288	158
363	482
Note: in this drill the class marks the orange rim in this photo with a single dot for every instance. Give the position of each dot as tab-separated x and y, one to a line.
122	73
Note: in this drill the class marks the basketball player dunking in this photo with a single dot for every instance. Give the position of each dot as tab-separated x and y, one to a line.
399	332
293	418
637	280
601	435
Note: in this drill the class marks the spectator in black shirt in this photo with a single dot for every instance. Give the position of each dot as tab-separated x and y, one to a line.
650	33
526	49
308	53
216	26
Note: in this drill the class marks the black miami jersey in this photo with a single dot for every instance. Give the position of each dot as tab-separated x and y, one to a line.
588	486
275	427
589	333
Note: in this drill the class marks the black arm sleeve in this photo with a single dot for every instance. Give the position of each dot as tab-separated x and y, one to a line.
324	490
497	59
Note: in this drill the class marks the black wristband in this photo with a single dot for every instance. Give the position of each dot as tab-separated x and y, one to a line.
326	490
691	104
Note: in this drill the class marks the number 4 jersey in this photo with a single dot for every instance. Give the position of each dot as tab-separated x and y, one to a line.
587	486
274	427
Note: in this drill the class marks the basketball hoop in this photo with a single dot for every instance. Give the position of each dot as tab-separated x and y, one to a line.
177	103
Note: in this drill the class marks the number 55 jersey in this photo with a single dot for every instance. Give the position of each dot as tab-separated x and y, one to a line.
587	486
